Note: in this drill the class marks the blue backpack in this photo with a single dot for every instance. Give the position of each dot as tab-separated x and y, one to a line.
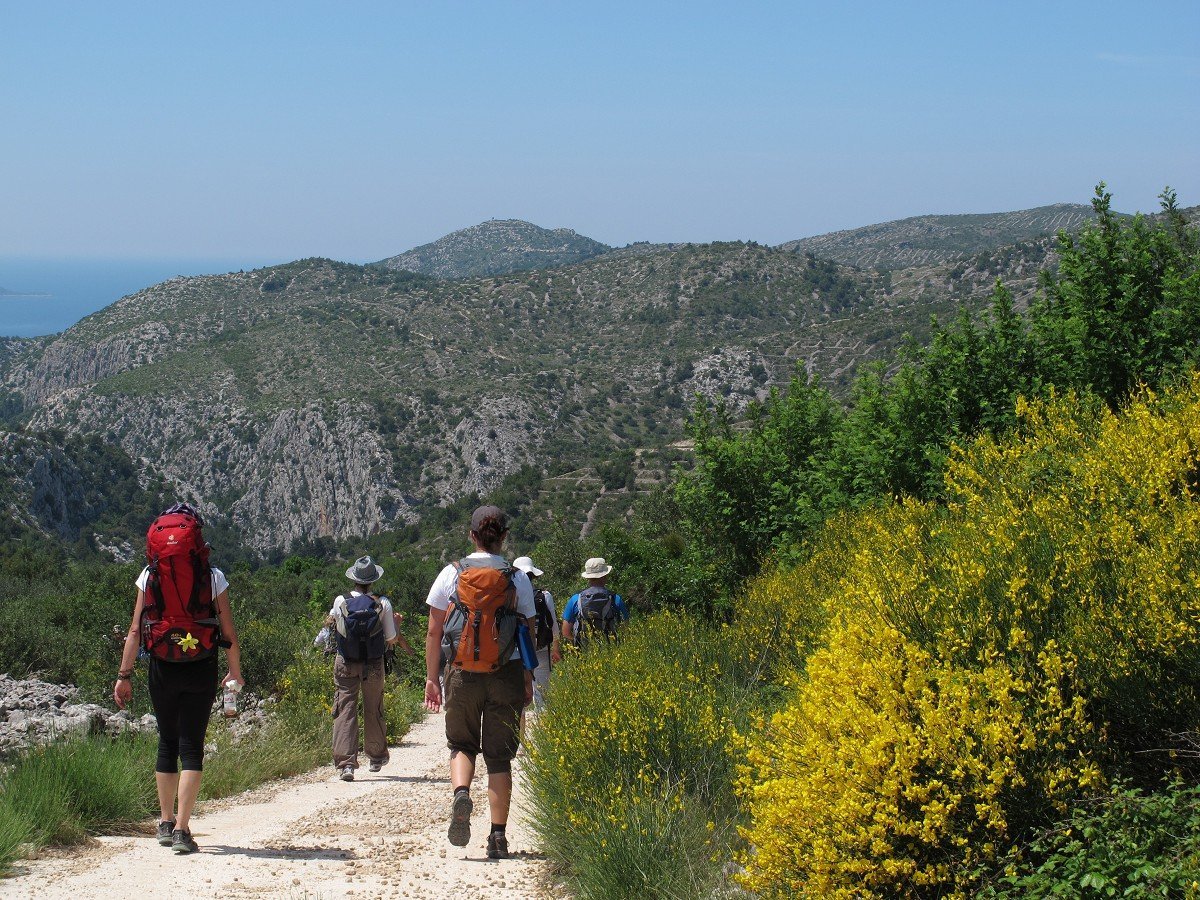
364	638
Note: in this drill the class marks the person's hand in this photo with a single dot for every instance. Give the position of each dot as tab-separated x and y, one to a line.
433	695
555	653
233	675
122	692
528	687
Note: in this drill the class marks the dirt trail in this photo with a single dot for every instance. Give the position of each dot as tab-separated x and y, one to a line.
384	835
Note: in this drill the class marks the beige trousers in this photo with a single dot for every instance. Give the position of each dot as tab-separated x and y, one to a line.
350	677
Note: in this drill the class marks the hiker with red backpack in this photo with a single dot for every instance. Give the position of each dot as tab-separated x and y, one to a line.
476	606
545	632
180	618
364	626
595	612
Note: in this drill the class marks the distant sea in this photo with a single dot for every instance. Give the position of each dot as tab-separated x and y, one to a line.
63	291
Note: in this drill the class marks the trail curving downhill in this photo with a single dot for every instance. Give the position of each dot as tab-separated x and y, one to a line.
383	835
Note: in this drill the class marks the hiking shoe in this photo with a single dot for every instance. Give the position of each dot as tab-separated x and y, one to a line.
348	773
497	846
164	833
181	841
375	766
460	819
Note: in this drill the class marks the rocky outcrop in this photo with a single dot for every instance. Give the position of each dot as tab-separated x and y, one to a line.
291	476
298	474
36	712
58	484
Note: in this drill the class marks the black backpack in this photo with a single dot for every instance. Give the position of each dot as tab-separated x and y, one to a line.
364	638
544	632
597	615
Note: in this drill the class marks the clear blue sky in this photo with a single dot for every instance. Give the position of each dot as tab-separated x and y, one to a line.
358	130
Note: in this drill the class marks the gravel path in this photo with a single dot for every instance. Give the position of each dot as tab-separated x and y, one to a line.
313	836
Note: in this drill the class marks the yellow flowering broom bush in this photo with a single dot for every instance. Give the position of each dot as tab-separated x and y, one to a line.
627	764
1086	532
890	774
986	656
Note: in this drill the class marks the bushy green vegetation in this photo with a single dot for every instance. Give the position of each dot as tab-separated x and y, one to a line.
978	610
1130	843
1123	309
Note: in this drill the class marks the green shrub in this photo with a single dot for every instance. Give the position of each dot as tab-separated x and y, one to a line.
268	648
1129	844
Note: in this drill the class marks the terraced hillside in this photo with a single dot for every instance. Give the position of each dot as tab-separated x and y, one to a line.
931	240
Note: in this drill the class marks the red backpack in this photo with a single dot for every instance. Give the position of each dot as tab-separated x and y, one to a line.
179	618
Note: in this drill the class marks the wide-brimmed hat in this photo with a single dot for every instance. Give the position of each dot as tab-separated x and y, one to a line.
364	571
525	564
595	567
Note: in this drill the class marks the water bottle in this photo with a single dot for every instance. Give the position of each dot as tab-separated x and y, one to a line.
229	699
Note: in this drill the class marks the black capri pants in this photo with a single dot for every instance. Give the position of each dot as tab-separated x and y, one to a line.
182	694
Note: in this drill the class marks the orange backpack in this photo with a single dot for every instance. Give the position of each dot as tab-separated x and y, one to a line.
480	629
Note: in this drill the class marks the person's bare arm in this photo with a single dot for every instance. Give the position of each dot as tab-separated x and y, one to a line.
123	689
433	656
400	640
233	653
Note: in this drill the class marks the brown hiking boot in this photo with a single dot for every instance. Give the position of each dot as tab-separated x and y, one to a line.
497	846
460	819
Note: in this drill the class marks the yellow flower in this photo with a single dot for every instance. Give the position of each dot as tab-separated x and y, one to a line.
188	643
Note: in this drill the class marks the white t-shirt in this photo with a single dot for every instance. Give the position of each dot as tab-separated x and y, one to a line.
443	589
220	583
339	615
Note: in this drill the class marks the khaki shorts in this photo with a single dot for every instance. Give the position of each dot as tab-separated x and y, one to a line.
483	713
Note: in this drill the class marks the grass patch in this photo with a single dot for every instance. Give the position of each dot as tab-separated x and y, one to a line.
298	740
15	832
60	793
659	844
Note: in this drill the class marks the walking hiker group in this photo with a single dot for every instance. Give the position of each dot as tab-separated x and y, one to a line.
491	642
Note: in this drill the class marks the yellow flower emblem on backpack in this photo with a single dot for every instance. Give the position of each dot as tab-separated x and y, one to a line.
188	643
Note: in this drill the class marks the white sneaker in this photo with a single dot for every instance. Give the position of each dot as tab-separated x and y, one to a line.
348	773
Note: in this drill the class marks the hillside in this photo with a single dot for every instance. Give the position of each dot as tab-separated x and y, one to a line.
317	401
323	400
930	240
496	247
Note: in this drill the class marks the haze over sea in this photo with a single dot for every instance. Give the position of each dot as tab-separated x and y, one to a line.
66	290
